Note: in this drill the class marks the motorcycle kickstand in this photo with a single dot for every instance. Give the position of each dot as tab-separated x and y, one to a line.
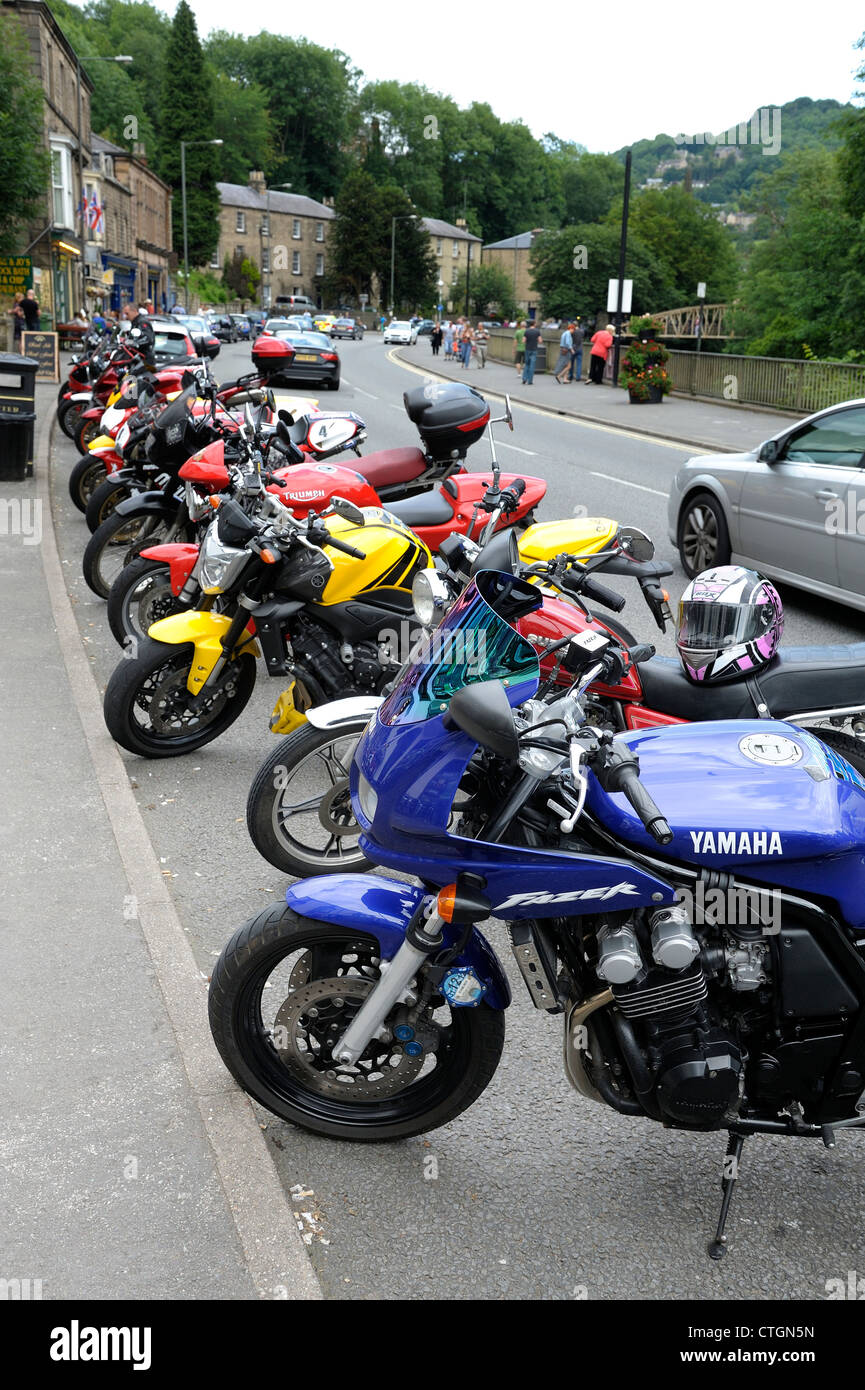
718	1247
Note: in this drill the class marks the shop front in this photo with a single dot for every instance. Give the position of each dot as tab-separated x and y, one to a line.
122	269
66	279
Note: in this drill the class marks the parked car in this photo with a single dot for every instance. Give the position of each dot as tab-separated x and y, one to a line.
172	341
196	325
790	508
222	327
242	325
347	328
313	358
424	326
400	331
323	323
279	323
301	323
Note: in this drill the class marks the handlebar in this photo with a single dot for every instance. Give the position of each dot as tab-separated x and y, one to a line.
588	587
621	773
510	496
336	544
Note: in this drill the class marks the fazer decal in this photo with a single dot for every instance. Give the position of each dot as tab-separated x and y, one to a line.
605	890
750	842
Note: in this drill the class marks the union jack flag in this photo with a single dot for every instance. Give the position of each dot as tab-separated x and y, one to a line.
97	220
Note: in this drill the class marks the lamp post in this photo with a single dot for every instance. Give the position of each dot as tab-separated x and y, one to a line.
403	217
91	58
623	246
269	265
183	148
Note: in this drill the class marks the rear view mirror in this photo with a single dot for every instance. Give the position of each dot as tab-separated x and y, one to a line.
347	510
286	417
482	711
636	543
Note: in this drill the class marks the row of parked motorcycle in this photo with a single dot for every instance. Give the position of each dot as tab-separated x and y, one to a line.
461	706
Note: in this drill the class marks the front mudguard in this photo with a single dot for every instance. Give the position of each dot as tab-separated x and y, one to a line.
153	502
179	556
383	907
206	631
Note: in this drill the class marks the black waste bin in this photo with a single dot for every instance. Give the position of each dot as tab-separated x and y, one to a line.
17	414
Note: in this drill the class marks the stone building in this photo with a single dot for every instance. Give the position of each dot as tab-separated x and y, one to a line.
284	233
151	225
512	256
55	243
453	246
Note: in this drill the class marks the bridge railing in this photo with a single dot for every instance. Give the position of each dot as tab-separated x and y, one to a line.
786	383
682	323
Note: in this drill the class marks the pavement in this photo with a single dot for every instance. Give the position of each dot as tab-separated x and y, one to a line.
534	1192
713	426
130	1165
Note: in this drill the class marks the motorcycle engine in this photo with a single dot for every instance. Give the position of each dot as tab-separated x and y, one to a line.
666	1026
337	667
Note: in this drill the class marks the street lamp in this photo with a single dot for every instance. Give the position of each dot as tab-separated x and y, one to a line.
276	186
91	58
403	217
183	147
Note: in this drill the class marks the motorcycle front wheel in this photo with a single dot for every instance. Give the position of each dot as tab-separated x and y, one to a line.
147	706
69	417
117	541
298	812
140	595
282	994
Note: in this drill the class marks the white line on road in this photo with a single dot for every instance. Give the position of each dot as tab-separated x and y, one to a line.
503	444
360	389
611	477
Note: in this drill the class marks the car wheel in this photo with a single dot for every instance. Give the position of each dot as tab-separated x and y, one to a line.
703	539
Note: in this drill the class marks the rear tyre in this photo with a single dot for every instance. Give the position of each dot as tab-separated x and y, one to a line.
298	811
850	747
146	702
85	477
333	384
140	595
117	541
702	537
104	501
277	1041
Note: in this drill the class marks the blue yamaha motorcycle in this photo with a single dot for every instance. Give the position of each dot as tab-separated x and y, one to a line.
689	899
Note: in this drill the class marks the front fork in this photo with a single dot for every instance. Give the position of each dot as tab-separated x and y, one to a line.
228	644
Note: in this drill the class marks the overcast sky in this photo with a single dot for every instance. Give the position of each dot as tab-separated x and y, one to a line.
601	75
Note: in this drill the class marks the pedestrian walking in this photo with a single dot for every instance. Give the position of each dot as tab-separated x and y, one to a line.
17	313
482	338
436	339
467	339
577	337
448	340
520	345
563	360
533	338
602	341
31	311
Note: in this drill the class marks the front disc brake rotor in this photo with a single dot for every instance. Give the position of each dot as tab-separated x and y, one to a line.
310	1022
335	814
167	701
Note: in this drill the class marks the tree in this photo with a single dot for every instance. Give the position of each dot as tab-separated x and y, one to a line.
490	289
241	119
588	184
359	245
688	240
186	113
24	164
123	107
242	276
567	288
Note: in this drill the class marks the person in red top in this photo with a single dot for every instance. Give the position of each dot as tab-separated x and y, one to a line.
602	341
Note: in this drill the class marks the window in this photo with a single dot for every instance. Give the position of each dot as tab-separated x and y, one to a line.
265	225
295	263
240	251
455	275
319	265
836	441
265	260
319	231
295	228
438	246
214	260
240	224
61	185
456	249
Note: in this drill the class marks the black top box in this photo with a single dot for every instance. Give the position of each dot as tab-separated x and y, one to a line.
449	417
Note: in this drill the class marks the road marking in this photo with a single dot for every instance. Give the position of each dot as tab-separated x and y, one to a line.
360	389
611	477
503	444
617	430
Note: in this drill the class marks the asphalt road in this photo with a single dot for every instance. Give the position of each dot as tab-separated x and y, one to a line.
534	1192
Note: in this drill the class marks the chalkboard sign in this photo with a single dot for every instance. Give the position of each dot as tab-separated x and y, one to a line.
45	347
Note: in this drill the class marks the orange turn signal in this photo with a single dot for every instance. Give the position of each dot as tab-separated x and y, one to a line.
215	500
666	595
268	556
446	902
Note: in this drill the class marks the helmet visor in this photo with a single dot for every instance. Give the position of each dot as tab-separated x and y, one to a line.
716	627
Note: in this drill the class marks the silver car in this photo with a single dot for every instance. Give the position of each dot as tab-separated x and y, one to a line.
794	508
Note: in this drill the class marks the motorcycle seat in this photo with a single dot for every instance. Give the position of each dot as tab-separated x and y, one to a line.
424	509
389	466
798	679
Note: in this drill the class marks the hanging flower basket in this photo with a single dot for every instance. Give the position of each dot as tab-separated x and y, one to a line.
644	367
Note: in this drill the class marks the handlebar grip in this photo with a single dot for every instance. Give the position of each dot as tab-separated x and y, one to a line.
336	544
644	805
599	593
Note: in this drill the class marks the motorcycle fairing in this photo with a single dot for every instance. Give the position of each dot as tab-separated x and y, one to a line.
383	908
799	825
206	632
180	556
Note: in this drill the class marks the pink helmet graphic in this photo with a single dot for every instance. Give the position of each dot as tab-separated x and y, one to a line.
730	624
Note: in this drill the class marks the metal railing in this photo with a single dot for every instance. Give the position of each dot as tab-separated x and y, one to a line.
785	383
